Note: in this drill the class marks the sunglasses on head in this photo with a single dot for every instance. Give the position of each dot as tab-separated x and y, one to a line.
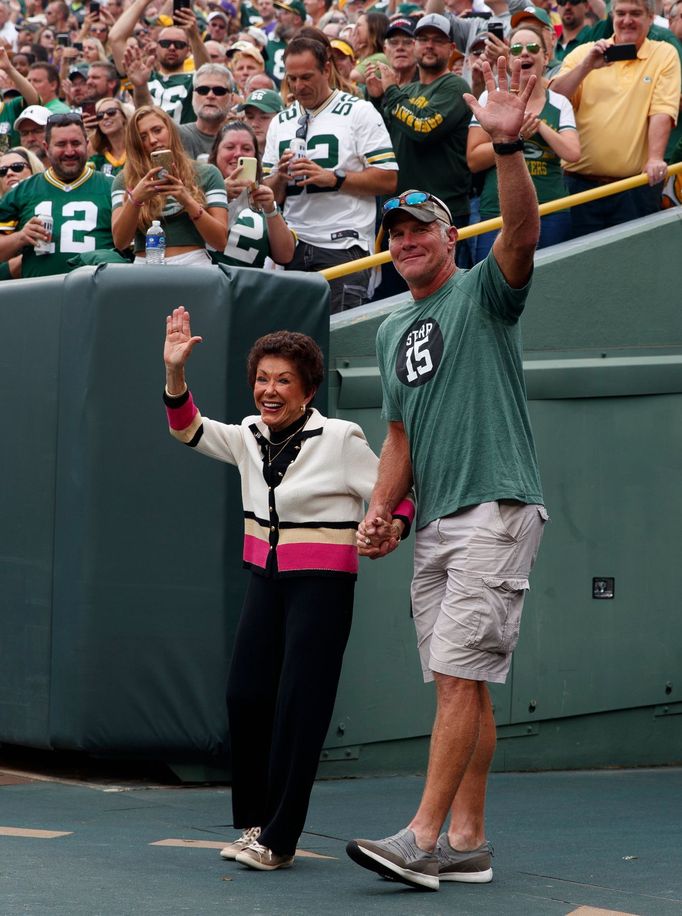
62	120
216	90
13	167
109	113
532	47
176	43
413	199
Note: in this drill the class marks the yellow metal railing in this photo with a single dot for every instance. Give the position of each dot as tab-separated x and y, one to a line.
467	232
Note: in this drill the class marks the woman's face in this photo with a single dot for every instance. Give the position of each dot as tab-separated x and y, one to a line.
11	177
153	133
361	37
47	40
110	116
234	144
531	63
90	51
278	392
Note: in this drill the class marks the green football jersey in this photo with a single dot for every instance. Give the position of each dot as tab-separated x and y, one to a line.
9	112
174	94
247	241
80	211
274	64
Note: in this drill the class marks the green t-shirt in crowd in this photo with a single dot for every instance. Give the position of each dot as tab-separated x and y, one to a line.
543	163
452	373
174	94
81	214
9	112
428	126
180	230
105	164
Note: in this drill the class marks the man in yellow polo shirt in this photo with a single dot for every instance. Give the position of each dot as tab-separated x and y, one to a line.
624	114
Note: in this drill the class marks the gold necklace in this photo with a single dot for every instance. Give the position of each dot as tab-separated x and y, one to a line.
272	457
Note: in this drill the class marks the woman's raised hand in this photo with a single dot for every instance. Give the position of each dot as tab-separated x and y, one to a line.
149	186
178	345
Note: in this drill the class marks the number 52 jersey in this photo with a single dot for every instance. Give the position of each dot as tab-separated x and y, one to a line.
80	211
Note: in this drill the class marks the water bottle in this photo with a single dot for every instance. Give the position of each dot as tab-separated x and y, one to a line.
155	244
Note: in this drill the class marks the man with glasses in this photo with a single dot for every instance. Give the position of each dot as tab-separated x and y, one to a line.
624	113
428	121
574	31
169	86
345	160
70	195
217	26
212	101
458	429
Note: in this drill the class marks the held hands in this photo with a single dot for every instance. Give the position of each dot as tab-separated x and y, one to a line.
377	536
263	198
177	347
657	170
504	115
150	186
307	171
186	20
234	185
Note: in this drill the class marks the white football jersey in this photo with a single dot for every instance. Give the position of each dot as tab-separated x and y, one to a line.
344	133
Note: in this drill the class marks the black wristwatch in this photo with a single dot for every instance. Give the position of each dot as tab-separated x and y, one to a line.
340	178
506	149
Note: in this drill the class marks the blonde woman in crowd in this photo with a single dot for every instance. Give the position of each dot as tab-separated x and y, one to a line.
108	139
189	200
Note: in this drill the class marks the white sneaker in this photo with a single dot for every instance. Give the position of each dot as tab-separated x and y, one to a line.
260	857
249	836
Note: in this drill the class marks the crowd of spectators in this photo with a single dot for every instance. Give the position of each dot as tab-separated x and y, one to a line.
341	103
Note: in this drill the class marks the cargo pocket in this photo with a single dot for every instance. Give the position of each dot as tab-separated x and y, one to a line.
500	615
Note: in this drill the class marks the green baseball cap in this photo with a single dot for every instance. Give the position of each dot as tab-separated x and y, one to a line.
293	6
532	12
265	100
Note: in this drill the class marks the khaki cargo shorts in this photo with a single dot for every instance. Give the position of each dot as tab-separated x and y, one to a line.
471	574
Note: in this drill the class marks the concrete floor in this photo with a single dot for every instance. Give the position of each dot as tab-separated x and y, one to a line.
565	843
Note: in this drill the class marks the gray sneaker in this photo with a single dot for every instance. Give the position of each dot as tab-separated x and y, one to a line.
397	857
232	850
473	867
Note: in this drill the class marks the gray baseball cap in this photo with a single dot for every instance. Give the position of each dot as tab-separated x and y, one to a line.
425	207
434	21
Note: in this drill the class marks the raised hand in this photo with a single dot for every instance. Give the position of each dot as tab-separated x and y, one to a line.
178	345
138	65
504	113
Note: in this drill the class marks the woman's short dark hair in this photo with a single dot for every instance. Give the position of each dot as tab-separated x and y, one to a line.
299	349
228	129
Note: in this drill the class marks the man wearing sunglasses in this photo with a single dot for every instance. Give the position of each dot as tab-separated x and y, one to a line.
70	195
212	102
169	85
624	113
346	160
574	31
458	429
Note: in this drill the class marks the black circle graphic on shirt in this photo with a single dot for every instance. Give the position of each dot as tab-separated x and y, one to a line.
420	353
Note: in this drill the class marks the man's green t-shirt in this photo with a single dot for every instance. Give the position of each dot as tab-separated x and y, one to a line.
452	373
9	112
81	214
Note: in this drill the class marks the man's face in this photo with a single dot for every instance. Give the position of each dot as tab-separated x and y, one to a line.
32	135
215	51
308	84
21	64
399	50
79	89
38	78
674	21
52	14
572	14
418	249
631	22
289	19
211	107
217	29
266	10
432	50
98	85
243	67
172	58
67	151
259	121
314	8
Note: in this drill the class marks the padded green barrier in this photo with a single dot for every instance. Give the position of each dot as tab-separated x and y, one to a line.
121	549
